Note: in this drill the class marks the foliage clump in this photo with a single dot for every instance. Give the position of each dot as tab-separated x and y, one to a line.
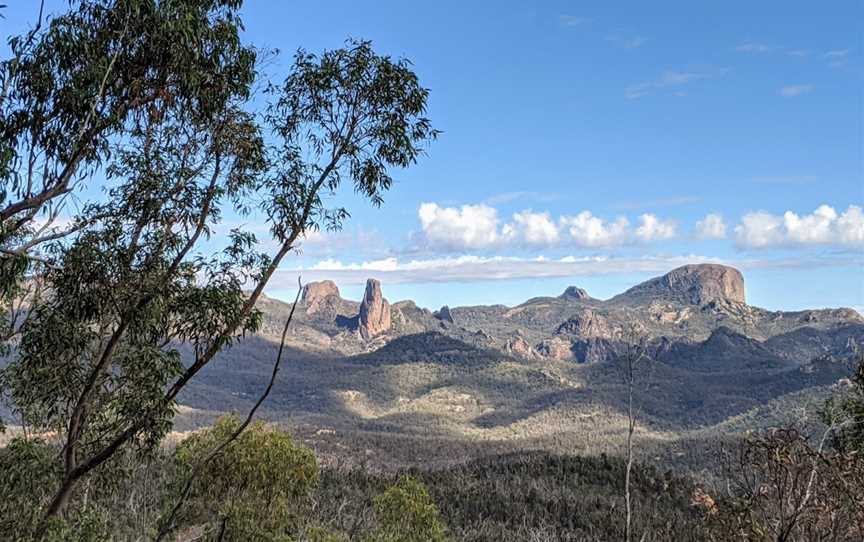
844	413
29	474
406	513
256	488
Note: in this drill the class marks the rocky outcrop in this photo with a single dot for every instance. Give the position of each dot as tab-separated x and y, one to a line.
554	348
444	314
572	293
691	284
586	324
321	298
374	311
661	348
668	314
594	350
519	347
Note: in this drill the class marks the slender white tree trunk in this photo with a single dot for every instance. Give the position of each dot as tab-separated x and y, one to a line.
631	425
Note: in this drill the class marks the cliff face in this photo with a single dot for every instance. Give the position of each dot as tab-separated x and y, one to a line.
374	311
319	297
586	324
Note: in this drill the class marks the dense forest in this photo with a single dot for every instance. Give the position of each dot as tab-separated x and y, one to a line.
167	119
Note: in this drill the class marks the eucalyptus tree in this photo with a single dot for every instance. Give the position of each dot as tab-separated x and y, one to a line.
76	84
97	360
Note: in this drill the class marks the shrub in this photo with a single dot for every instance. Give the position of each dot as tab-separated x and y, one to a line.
406	513
255	489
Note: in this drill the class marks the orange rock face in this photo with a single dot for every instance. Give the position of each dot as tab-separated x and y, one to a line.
374	311
317	296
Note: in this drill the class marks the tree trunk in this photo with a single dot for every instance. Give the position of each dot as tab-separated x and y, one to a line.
57	505
630	428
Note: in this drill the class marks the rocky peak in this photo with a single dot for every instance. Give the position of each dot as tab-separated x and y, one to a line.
726	344
374	311
573	293
726	338
318	297
444	314
692	284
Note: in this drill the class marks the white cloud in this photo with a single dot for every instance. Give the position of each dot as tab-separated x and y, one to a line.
837	54
850	226
315	237
572	20
467	227
800	53
471	268
813	228
711	227
672	78
532	228
759	230
587	230
655	229
330	264
822	227
837	58
753	47
625	42
791	91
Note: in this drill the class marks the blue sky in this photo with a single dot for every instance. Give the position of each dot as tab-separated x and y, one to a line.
601	143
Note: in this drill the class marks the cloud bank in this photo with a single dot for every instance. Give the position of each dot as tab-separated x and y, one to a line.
480	228
471	269
473	227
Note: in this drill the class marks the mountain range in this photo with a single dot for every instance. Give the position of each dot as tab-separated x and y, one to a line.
544	374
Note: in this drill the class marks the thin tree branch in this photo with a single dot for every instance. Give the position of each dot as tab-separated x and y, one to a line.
169	524
813	472
6	253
